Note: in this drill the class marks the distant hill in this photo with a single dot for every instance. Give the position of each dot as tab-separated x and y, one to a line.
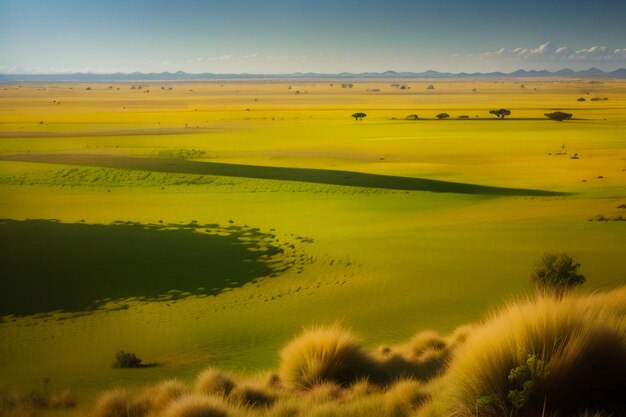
182	76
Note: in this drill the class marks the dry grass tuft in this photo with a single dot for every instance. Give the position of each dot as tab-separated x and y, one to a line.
249	395
404	397
113	403
325	354
212	381
63	399
163	394
193	405
324	392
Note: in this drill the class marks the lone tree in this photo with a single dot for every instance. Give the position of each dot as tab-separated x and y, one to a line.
442	116
558	116
555	274
501	114
359	116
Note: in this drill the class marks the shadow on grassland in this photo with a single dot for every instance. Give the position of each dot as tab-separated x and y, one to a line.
47	265
320	176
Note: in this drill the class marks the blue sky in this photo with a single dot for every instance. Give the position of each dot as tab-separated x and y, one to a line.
279	36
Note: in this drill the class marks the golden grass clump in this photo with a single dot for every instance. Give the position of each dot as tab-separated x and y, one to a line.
161	395
63	399
325	391
113	403
213	381
423	357
404	397
325	354
544	357
427	341
194	405
249	395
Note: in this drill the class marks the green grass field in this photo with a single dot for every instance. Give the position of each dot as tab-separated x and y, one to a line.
391	226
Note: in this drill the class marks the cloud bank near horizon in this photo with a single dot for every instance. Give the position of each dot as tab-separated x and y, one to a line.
549	53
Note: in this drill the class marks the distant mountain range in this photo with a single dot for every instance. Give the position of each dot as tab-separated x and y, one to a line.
183	76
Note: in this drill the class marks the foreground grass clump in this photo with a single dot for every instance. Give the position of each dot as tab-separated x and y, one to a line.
551	356
196	406
544	357
325	354
213	381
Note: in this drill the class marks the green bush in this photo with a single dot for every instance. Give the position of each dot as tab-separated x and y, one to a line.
126	360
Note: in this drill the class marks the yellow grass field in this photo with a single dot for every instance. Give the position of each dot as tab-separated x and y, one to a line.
387	262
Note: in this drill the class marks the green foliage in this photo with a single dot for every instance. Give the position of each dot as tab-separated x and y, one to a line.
126	360
524	379
555	274
359	116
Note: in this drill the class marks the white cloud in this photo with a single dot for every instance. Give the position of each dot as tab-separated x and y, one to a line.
549	52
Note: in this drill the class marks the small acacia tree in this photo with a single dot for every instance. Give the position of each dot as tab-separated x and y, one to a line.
500	114
558	116
555	274
359	116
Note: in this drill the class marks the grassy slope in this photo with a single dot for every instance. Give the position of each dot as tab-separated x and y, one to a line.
378	257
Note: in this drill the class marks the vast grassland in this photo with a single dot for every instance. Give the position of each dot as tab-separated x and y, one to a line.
295	213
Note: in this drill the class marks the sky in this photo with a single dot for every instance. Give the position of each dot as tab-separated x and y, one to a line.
326	36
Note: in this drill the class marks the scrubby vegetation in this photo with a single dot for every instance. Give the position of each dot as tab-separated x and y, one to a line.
18	404
558	116
546	356
556	274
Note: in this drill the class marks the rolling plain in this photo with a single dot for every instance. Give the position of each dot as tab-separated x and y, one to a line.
207	223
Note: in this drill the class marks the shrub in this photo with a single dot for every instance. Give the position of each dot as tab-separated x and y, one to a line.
558	116
555	274
442	116
126	360
196	406
412	117
359	116
325	354
544	357
212	381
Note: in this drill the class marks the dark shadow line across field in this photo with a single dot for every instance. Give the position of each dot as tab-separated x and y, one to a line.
320	176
